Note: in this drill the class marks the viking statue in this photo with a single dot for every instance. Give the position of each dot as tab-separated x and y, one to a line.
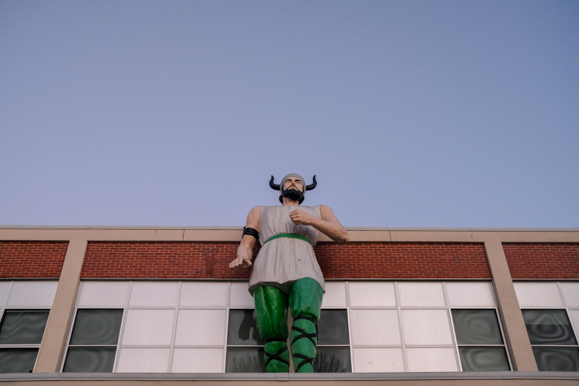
286	272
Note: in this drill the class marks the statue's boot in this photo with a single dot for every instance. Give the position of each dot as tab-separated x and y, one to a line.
276	355
304	337
271	318
305	302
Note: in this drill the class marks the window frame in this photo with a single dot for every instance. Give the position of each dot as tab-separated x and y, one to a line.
556	295
127	307
482	345
233	295
73	346
35	306
16	346
261	346
563	346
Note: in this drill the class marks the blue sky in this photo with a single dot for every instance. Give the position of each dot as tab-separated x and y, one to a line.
411	113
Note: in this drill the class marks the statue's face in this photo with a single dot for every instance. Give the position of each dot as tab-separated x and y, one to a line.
293	183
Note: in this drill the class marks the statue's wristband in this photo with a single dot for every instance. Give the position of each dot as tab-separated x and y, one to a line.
250	232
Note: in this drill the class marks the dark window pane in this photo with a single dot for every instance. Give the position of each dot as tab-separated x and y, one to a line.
23	327
333	327
476	327
96	327
245	360
557	359
483	359
242	329
332	360
17	360
548	327
90	360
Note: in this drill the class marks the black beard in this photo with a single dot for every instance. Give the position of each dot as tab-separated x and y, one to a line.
292	194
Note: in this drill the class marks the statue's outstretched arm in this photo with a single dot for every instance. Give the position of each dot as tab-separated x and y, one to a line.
328	224
245	249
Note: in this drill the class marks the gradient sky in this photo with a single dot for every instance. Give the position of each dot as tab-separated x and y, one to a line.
175	113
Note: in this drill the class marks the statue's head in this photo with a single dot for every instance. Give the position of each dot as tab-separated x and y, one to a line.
293	186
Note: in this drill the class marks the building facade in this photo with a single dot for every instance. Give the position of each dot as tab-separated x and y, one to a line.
417	306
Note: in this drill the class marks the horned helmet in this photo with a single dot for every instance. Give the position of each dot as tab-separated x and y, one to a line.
312	186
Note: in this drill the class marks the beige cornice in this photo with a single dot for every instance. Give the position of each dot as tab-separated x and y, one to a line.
233	234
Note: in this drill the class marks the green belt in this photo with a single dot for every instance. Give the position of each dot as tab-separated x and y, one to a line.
289	235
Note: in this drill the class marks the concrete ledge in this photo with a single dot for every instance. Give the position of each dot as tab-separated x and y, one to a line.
333	377
352	228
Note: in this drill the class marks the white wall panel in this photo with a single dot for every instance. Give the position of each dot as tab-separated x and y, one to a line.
240	296
431	359
201	327
378	360
36	294
154	294
426	327
372	294
570	292
4	291
335	295
421	294
148	327
476	294
205	360
103	294
202	294
538	295
375	327
143	360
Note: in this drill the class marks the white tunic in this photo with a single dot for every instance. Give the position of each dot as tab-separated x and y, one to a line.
284	260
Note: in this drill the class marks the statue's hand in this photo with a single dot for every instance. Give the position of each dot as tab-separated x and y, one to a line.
240	262
299	217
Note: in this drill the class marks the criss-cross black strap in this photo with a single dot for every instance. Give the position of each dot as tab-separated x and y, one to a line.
276	355
303	333
305	360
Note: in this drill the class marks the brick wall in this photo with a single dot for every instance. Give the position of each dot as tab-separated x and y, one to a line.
31	259
404	260
543	260
182	260
171	260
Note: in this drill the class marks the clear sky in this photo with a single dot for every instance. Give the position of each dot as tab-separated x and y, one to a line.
175	113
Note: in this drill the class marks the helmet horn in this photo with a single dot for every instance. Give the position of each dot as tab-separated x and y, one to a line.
272	185
312	186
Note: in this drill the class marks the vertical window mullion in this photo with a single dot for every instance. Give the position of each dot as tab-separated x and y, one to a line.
227	308
401	326
352	361
174	332
453	335
123	325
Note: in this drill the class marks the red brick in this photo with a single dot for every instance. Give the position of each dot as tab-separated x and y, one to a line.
32	259
543	260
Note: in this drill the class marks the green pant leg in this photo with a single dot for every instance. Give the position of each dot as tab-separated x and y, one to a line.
305	302
271	317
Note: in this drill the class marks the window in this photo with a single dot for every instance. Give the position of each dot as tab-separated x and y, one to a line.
245	353
552	338
148	326
479	339
24	309
244	346
551	314
94	339
21	333
366	326
333	351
